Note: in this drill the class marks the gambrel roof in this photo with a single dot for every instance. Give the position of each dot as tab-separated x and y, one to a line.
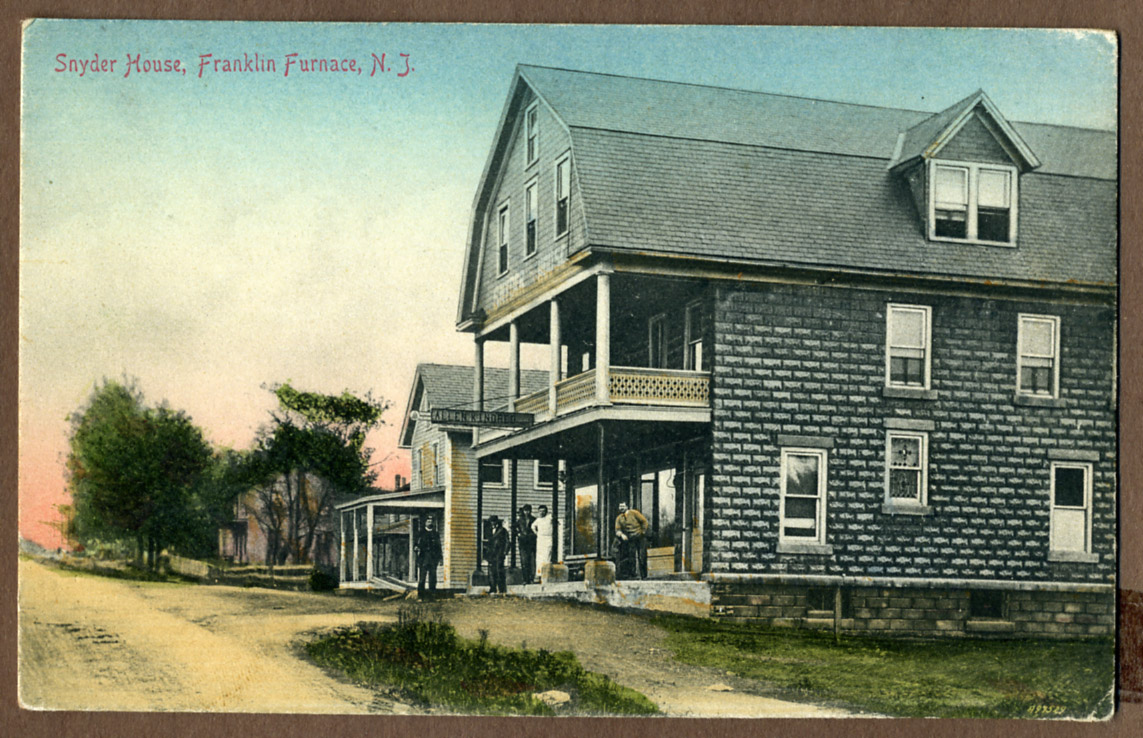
673	168
450	386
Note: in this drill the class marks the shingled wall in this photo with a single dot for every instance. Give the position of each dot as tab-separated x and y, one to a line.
809	361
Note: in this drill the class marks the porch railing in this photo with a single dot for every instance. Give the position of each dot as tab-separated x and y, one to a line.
626	385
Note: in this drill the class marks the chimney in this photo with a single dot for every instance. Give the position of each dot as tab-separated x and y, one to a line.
397	483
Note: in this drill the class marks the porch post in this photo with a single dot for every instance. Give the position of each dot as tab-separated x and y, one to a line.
369	542
600	491
478	404
602	337
513	365
555	557
512	514
477	385
554	355
341	559
412	547
355	545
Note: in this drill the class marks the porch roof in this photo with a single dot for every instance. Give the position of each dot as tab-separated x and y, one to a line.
430	499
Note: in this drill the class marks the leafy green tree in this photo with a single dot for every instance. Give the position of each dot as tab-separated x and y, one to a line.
312	450
133	471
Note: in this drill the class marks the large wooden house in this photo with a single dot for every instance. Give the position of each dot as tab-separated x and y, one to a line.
852	362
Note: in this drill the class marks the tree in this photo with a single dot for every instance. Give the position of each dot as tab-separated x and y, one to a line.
312	450
133	471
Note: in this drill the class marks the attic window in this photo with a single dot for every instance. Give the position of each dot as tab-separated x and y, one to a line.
972	202
531	133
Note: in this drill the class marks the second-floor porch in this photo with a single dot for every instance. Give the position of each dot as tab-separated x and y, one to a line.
618	347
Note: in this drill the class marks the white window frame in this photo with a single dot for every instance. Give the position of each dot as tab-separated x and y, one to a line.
503	474
532	133
922	499
435	446
820	521
564	160
972	170
536	475
531	217
927	360
503	228
690	339
1086	468
1054	321
657	362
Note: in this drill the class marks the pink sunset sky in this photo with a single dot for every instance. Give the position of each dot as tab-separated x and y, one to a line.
209	235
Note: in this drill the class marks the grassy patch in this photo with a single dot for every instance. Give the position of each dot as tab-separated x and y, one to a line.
127	572
946	678
429	663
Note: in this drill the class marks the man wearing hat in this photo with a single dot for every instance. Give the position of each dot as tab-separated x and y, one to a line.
428	550
526	540
495	550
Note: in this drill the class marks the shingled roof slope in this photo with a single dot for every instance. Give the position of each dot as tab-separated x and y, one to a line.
680	110
678	168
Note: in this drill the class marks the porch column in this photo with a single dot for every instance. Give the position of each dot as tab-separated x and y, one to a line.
512	514
341	558
412	546
554	354
477	385
478	404
513	365
602	337
556	540
355	545
369	542
601	496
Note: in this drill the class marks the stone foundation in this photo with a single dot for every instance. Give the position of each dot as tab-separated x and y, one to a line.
920	611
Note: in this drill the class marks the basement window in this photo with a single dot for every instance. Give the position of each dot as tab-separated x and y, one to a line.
986	604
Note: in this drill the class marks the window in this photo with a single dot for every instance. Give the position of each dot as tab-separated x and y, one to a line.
971	202
986	604
437	470
802	485
502	239
907	346
657	341
1038	349
906	468
494	472
533	144
530	219
695	330
545	474
1071	508
417	468
563	192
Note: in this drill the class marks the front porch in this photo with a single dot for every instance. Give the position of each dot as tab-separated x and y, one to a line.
378	538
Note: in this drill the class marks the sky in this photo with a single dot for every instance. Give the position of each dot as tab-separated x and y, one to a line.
211	233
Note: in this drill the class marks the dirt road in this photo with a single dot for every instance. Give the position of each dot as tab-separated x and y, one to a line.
91	643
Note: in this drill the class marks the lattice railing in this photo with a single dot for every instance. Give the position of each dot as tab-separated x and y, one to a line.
536	403
575	391
641	386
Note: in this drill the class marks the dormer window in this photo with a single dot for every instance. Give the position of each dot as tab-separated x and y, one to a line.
972	202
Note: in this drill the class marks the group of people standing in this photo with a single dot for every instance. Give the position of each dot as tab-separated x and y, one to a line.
533	539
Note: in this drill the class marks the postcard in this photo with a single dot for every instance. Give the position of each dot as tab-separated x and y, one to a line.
568	370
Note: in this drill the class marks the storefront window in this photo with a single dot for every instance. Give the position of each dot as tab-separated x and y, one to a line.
586	530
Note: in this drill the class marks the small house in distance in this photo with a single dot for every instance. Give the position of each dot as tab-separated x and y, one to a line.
871	350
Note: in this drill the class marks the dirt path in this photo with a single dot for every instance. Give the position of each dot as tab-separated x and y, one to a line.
93	643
